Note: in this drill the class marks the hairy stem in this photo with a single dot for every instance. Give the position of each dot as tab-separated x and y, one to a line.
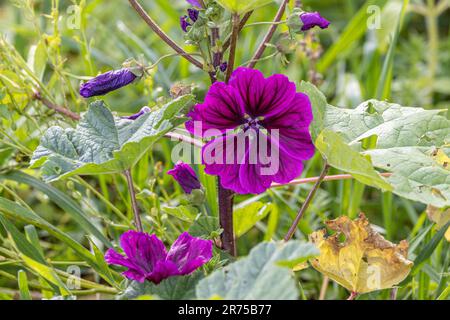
59	109
259	52
152	24
226	218
244	20
232	54
134	205
307	202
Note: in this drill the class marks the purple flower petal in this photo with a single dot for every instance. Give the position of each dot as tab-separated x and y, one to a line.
313	19
193	14
190	253
107	82
184	24
185	176
195	3
223	109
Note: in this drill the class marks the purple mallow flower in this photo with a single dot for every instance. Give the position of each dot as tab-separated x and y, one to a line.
143	111
146	256
313	19
107	82
223	66
193	14
185	176
265	106
184	23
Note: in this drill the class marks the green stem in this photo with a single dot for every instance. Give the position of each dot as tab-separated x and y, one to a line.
134	204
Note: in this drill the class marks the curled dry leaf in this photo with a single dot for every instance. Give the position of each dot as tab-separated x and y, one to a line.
364	261
440	216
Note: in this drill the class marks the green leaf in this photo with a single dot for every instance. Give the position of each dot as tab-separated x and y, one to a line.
24	291
403	142
239	7
205	227
102	143
173	288
246	217
185	213
15	212
61	200
32	257
257	276
319	105
339	155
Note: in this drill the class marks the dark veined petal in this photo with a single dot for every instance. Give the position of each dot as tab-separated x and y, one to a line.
222	109
134	272
189	253
184	24
142	249
193	14
163	270
107	82
185	176
262	96
313	19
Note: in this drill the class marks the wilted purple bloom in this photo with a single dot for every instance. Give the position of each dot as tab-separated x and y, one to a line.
144	110
195	3
223	66
193	14
185	176
313	19
184	23
107	82
265	106
146	256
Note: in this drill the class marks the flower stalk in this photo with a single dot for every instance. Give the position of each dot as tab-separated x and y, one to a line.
152	24
134	204
233	43
307	202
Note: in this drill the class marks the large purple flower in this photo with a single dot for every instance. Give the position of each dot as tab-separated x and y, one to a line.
147	259
261	130
313	19
107	82
185	176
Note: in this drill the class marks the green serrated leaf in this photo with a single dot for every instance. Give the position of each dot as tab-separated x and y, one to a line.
185	213
205	227
257	276
239	7
102	143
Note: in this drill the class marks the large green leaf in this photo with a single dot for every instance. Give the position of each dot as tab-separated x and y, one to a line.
260	275
318	104
239	6
102	143
405	142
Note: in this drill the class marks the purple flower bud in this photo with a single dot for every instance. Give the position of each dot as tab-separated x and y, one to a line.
144	110
223	66
195	3
107	82
185	176
313	19
183	23
193	14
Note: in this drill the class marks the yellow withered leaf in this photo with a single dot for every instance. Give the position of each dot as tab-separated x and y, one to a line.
441	217
364	261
